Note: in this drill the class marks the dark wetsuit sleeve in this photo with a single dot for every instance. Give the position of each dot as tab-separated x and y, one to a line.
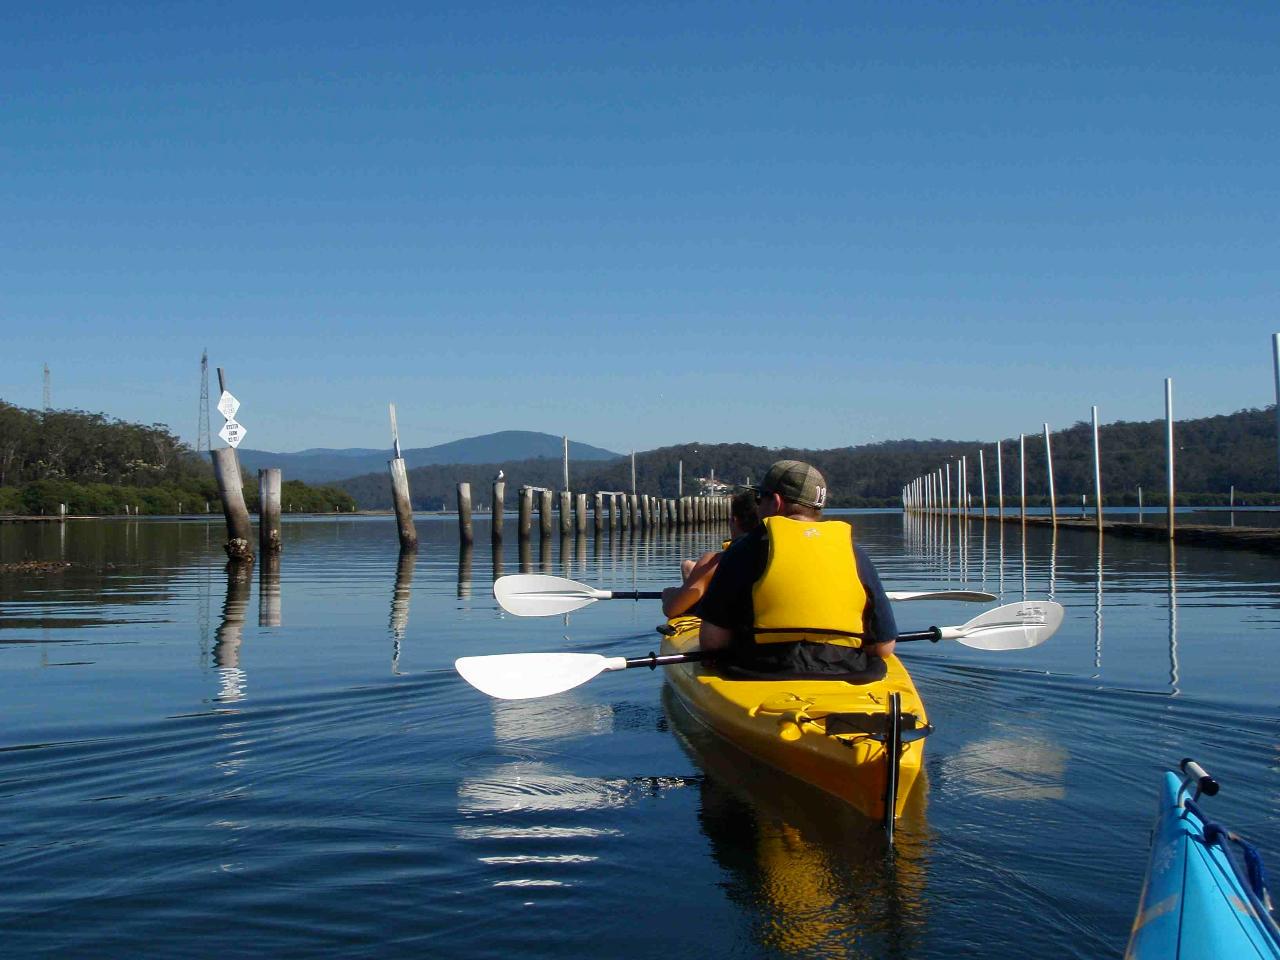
877	619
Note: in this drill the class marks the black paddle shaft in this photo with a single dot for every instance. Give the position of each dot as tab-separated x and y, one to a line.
653	661
933	633
635	595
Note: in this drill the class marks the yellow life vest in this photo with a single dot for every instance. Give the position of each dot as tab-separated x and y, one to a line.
810	589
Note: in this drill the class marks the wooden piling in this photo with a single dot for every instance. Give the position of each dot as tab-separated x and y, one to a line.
466	536
999	480
1048	459
597	508
580	513
226	469
613	511
496	514
524	524
545	523
400	490
269	510
566	513
1168	419
1097	472
646	512
1022	473
1275	359
403	505
982	479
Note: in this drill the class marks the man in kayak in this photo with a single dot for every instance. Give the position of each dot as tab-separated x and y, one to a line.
696	574
797	597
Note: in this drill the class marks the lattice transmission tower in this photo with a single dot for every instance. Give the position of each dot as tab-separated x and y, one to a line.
48	389
202	429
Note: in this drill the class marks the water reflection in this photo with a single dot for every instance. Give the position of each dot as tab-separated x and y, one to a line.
1011	768
816	872
1173	619
230	633
1097	614
400	599
1053	560
567	545
269	590
550	718
464	571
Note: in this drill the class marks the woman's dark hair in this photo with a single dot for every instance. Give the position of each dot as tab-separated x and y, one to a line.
743	508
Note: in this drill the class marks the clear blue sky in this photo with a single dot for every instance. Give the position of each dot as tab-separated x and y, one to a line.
640	224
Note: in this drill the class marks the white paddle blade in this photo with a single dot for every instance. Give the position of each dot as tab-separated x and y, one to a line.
1015	626
970	596
541	595
523	676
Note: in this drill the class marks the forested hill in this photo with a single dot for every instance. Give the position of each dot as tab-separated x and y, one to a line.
88	447
98	465
1214	453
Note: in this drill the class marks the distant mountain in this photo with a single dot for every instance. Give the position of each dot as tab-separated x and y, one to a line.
322	465
1214	454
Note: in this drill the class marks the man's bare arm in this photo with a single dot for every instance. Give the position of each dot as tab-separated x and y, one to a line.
678	600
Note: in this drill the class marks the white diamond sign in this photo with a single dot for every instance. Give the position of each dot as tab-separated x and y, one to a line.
232	432
227	406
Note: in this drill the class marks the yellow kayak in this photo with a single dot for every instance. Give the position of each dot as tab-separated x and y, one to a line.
832	734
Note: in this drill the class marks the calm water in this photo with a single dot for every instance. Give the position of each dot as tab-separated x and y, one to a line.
194	765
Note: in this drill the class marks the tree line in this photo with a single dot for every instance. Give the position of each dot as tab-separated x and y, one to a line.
98	465
1213	455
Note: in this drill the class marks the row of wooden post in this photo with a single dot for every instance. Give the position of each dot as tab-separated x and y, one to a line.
625	511
932	492
610	510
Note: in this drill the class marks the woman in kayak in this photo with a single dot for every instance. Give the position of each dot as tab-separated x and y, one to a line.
797	597
696	574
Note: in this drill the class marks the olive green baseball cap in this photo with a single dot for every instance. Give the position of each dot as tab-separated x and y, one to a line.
797	482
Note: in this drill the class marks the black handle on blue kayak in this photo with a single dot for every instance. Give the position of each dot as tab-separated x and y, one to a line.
1204	783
